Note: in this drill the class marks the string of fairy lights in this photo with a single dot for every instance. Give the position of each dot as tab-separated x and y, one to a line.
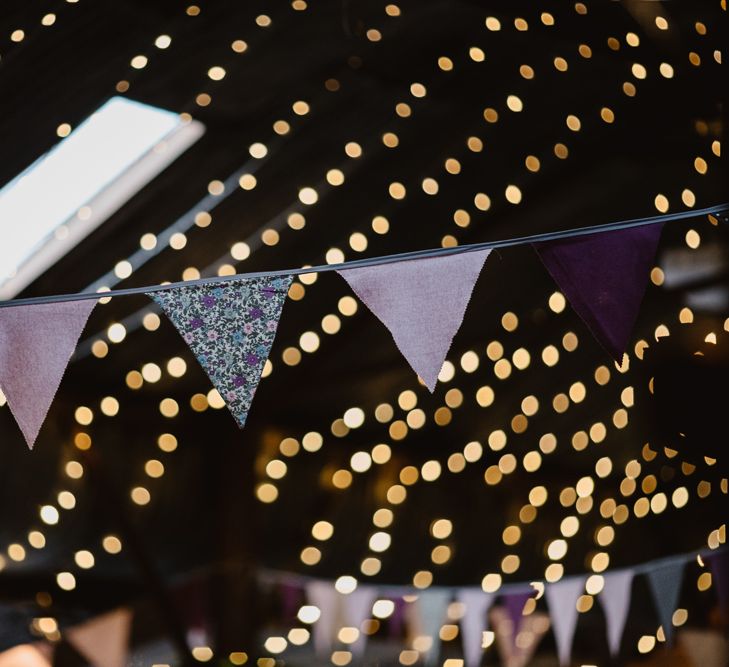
347	306
22	34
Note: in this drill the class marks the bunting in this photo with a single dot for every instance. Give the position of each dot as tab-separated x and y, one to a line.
604	278
230	328
516	649
615	601
474	622
562	599
36	343
26	655
432	607
665	583
719	564
423	612
357	607
325	597
422	303
514	605
104	640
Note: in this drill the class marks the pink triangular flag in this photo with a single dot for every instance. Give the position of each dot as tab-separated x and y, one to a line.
562	600
26	655
104	640
615	601
604	276
474	622
421	302
324	596
36	343
517	651
358	608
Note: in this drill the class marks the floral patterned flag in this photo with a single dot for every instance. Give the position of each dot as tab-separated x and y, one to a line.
230	327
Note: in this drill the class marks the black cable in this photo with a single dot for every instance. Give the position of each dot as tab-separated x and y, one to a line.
378	261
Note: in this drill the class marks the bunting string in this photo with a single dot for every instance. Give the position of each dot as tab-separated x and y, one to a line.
718	210
421	297
270	576
429	612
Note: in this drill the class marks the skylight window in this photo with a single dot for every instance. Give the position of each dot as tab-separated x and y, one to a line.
68	192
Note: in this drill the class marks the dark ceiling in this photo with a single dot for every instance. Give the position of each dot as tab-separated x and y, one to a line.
352	63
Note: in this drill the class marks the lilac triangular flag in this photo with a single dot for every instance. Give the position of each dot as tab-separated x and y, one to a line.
432	607
665	582
104	640
604	277
719	563
358	608
474	622
324	596
36	343
615	601
562	600
421	302
230	327
396	622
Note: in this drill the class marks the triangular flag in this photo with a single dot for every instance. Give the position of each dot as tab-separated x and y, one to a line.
291	595
562	600
514	604
358	608
719	563
324	596
517	649
474	622
665	582
104	640
396	622
604	276
36	343
230	327
26	655
432	606
421	302
615	601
